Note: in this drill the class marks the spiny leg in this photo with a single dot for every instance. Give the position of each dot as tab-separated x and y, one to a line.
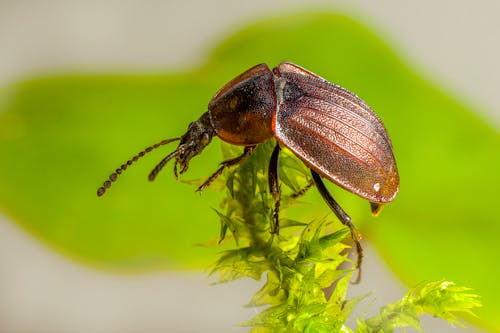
274	186
342	216
228	163
303	190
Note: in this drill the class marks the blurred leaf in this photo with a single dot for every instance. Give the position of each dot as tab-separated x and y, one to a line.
61	136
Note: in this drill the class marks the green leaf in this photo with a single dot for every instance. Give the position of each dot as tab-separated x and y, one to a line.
271	293
240	263
442	299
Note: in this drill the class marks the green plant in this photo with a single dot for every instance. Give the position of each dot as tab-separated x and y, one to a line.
305	259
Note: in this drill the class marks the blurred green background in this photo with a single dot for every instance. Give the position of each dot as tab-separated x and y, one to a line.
62	134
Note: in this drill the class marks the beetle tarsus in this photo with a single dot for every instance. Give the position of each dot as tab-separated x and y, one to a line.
276	216
226	164
210	179
355	237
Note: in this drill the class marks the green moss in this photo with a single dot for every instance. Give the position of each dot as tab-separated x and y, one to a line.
303	261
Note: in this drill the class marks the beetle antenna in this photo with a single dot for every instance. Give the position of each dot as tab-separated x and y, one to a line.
112	178
163	162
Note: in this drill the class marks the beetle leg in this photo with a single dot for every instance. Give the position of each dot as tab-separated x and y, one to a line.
274	186
224	164
303	190
342	216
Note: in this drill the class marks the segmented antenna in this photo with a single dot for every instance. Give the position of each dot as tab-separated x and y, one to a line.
112	178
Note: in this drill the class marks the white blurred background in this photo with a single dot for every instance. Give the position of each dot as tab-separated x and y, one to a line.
454	43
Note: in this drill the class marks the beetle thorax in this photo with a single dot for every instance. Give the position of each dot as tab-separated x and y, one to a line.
241	112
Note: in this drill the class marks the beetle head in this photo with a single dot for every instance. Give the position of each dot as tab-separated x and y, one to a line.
197	137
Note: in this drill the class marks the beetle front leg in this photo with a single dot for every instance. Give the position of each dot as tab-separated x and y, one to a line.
342	216
225	164
274	186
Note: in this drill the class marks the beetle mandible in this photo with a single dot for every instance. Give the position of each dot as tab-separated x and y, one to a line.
330	129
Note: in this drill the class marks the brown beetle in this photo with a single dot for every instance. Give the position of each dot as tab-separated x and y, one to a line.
330	129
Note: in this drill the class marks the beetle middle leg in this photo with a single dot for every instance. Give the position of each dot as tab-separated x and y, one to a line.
224	164
274	186
342	216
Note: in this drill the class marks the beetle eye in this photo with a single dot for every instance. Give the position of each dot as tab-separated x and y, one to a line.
205	139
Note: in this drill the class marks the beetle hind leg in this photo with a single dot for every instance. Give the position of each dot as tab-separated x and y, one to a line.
343	217
225	164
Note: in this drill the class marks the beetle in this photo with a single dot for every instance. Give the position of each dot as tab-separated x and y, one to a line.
334	132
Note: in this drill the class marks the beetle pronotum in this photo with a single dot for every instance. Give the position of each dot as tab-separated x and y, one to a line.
330	129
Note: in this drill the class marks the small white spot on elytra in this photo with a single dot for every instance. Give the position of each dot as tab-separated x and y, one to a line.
376	187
